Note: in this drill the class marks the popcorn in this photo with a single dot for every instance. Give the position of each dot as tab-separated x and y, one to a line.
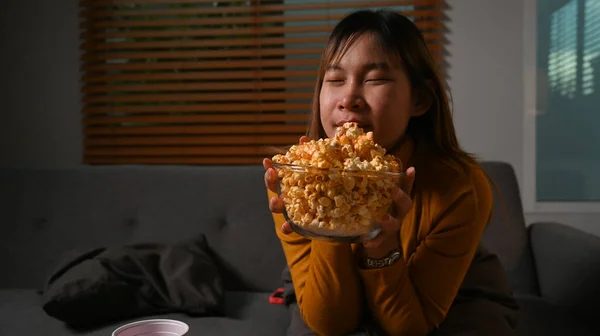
347	198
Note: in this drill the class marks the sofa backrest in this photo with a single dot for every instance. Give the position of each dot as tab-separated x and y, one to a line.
506	234
46	214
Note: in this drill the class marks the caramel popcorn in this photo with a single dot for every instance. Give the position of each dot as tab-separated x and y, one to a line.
342	187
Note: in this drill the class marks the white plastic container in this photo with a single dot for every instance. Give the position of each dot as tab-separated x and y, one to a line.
155	327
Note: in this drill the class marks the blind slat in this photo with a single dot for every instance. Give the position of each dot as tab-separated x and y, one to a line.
207	86
181	54
265	63
208	129
194	119
198	97
193	140
248	19
180	44
224	108
187	65
198	160
180	151
254	9
207	75
250	32
183	44
104	3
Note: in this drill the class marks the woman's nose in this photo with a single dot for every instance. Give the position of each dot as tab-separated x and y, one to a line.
351	103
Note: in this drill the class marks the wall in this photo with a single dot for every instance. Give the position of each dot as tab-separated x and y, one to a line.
486	77
39	84
39	89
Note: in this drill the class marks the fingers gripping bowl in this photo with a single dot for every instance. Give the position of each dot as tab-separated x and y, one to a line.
337	188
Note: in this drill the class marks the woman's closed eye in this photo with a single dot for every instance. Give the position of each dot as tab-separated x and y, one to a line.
335	80
378	80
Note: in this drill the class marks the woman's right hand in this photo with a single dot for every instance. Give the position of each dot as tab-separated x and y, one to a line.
271	181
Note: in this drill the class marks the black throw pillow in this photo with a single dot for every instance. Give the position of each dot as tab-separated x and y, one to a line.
111	284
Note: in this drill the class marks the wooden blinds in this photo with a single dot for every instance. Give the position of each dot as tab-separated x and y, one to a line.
208	82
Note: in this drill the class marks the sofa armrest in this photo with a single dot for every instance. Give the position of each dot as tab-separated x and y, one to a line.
567	261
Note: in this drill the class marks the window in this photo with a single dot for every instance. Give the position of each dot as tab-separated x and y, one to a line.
562	54
591	48
563	130
209	82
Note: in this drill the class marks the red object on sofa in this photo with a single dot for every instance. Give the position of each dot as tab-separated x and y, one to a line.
277	297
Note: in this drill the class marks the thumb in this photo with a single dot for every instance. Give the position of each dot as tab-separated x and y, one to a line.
286	228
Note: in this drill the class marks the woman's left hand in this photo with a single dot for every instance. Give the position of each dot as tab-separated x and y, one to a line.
389	239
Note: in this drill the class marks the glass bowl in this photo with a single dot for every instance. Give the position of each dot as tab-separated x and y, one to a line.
335	204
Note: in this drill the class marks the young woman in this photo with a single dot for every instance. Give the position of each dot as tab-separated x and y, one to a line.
377	71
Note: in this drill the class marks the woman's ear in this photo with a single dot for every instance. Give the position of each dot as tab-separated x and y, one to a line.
422	98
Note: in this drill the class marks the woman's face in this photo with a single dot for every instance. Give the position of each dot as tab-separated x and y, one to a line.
368	88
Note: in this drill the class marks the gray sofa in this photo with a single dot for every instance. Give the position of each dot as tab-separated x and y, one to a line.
48	213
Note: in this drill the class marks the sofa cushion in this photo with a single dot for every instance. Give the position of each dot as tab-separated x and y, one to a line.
538	317
247	314
49	212
506	234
